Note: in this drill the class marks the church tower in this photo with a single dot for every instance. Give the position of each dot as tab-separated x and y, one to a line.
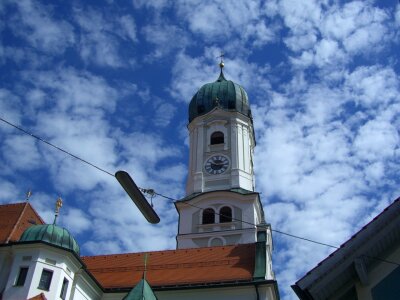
221	206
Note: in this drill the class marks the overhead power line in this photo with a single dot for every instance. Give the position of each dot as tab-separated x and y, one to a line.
152	192
54	146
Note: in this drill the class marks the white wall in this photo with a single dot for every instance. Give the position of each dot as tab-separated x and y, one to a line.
244	207
238	147
6	259
226	293
62	263
266	292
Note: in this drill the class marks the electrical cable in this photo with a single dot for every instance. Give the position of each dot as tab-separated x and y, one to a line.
153	193
273	230
251	224
56	147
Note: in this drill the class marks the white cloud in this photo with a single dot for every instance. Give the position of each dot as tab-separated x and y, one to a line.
36	24
155	4
376	140
100	37
373	85
327	52
335	35
76	220
164	113
129	230
364	40
323	146
301	17
374	172
301	41
179	173
68	89
9	108
397	15
165	38
8	192
21	153
128	28
220	19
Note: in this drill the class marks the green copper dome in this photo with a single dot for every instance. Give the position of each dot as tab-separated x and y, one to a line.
222	93
52	234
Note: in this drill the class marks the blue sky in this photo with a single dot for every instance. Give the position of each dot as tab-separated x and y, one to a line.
110	81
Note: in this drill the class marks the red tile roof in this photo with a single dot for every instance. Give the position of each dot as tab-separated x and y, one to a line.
14	219
174	267
41	296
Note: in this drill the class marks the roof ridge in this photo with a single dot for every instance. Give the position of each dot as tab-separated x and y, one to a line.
169	250
12	204
15	225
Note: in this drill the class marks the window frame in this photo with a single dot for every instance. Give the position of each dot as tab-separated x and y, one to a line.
45	285
21	276
64	289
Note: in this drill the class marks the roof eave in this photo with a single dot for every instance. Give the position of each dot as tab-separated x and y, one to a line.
342	260
203	285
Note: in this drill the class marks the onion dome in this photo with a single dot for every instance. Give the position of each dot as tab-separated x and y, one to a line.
51	234
222	93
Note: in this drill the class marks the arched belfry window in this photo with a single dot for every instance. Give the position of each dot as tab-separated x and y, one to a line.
208	216
217	138
225	214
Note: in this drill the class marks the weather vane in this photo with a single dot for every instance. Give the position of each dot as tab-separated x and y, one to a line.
28	195
59	203
221	56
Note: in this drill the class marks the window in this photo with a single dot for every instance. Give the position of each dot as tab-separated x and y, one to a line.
225	214
208	216
215	242
64	289
23	272
217	138
45	280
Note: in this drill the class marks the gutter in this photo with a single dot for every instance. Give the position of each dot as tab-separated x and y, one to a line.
302	294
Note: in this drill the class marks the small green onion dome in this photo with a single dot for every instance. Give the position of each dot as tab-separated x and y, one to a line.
222	93
52	234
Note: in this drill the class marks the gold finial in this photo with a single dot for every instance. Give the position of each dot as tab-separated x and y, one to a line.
59	203
28	195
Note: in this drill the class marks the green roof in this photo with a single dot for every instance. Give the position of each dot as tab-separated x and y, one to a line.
52	234
142	291
222	93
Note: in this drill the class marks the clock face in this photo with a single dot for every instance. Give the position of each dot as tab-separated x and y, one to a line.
216	164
